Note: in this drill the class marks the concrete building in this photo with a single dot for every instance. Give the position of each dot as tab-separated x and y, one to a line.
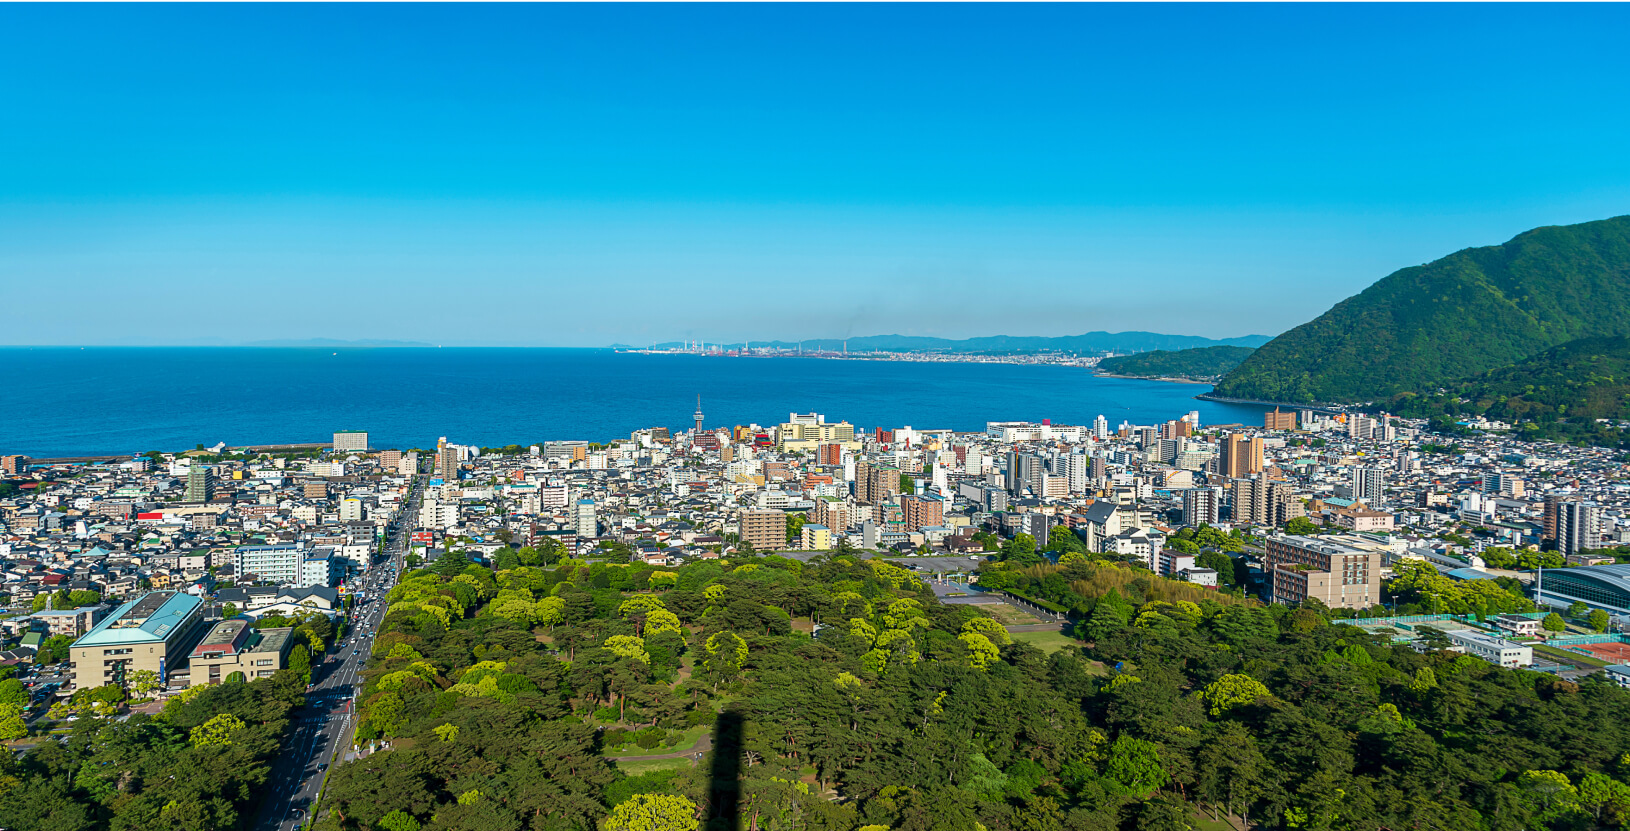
585	520
1497	651
1369	486
200	483
765	530
236	646
352	510
1342	571
815	537
70	622
1201	506
1277	420
1241	456
1578	527
349	441
1602	587
152	632
922	512
278	564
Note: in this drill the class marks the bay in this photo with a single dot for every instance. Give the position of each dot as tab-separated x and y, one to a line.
68	401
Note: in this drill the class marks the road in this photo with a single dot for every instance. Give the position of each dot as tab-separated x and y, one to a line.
321	731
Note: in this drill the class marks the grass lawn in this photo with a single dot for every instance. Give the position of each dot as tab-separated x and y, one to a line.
1566	657
687	740
1007	615
1203	822
1045	641
636	767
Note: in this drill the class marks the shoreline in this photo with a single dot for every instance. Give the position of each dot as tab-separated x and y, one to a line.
1169	380
1223	399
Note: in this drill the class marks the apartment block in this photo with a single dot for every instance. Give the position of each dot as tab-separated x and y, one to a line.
1341	571
765	530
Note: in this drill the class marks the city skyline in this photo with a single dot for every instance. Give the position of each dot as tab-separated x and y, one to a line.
582	176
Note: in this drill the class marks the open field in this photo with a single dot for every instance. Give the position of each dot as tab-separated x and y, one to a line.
1009	616
1045	641
1568	657
636	767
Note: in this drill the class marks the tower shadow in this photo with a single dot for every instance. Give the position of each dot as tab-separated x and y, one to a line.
724	790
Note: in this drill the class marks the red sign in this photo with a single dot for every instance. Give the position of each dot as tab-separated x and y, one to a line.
424	536
153	515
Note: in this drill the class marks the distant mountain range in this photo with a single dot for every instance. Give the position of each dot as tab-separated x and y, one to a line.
1087	343
1428	327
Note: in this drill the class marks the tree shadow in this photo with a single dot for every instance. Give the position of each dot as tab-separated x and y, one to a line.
724	790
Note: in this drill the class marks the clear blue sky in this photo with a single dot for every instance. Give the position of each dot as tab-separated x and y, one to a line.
582	175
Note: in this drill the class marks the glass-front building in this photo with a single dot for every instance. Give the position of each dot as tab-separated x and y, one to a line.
1604	587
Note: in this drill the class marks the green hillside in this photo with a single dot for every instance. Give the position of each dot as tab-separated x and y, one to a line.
1557	394
1422	327
1204	364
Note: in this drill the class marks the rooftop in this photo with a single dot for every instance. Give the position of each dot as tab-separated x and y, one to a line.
151	618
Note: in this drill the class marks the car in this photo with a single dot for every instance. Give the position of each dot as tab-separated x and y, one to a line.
322	767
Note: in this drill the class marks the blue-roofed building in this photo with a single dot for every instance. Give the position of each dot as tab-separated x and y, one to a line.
1602	587
152	632
1469	574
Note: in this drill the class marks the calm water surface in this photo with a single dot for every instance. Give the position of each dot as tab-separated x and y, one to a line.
71	401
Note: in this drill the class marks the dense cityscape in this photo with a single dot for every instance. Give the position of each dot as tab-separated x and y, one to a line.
141	585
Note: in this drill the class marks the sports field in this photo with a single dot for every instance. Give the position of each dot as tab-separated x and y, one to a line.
1618	653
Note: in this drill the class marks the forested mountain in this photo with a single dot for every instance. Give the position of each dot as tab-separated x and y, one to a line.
1557	394
508	695
1475	310
1203	364
1086	343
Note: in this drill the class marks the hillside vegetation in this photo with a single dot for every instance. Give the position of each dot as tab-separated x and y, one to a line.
1557	394
1426	326
1203	364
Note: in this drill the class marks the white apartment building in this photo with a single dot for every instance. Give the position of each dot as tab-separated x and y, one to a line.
348	441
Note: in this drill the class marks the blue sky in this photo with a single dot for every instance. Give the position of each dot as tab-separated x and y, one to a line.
582	175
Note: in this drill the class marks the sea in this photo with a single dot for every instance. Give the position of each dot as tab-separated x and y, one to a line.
71	401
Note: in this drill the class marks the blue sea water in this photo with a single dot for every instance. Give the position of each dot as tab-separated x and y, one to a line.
68	401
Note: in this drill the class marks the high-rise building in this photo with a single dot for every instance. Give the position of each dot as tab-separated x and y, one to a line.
698	430
1201	506
1100	428
409	464
829	454
200	483
764	530
1241	456
1553	504
347	441
13	465
1277	420
586	523
922	512
447	462
1262	501
1578	527
1369	485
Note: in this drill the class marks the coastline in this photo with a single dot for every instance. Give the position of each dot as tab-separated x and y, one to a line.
1223	399
1169	380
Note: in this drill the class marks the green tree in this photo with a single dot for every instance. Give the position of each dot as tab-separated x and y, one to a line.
13	693
653	812
1598	620
1021	550
1577	609
1301	525
1548	792
218	731
1553	622
40	601
1231	691
398	820
12	726
229	610
143	682
1135	765
300	662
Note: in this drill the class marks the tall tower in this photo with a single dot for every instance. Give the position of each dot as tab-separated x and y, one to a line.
698	416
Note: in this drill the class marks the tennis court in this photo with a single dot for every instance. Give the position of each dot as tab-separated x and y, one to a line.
1615	652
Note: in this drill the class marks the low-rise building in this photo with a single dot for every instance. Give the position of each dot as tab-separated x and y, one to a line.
237	646
152	632
1498	651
